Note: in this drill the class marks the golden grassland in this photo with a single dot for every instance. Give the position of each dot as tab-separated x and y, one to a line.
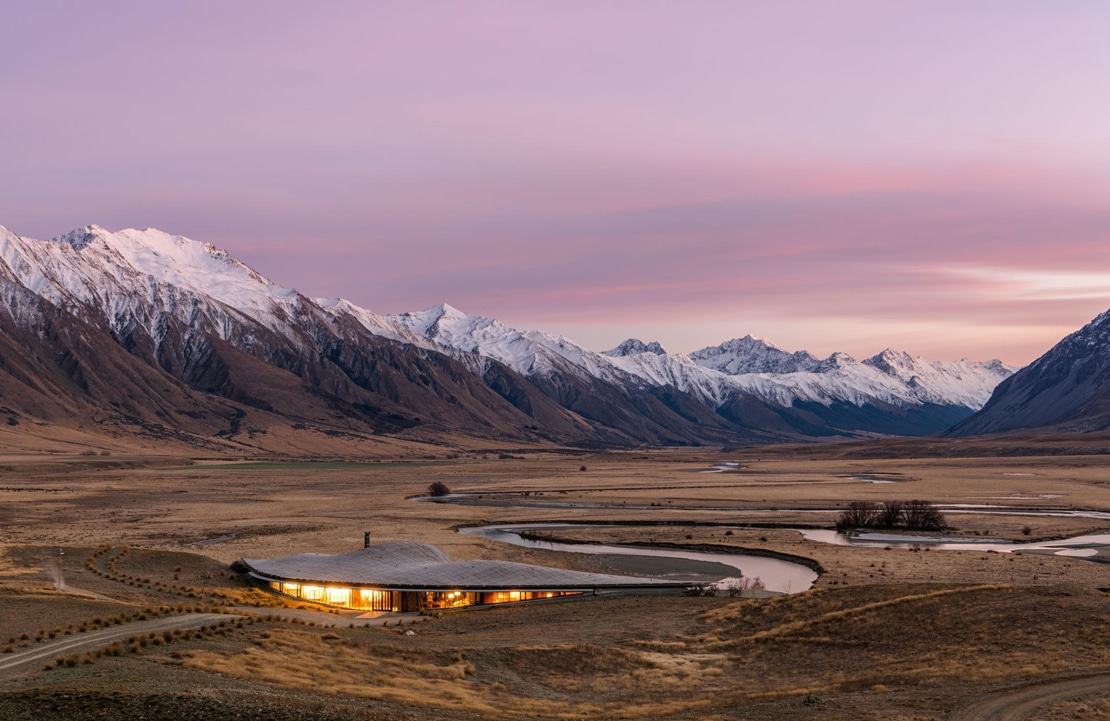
830	644
885	634
168	503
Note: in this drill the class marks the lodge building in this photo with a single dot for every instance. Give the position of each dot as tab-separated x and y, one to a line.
409	576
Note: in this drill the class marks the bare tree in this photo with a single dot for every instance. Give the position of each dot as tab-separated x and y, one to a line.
923	516
890	514
860	514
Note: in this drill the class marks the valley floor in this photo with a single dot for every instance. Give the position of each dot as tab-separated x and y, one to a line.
884	634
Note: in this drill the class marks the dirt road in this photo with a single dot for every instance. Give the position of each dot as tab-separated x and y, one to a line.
37	656
1021	702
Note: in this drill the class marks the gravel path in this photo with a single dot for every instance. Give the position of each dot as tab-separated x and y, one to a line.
40	654
1020	703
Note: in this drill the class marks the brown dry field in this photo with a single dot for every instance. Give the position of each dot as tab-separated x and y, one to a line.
884	634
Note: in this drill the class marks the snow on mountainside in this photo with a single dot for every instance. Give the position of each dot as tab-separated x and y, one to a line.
899	379
635	346
198	328
132	276
963	382
371	321
890	377
140	283
753	355
530	353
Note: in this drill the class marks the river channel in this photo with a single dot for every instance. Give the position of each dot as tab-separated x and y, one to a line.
785	576
777	575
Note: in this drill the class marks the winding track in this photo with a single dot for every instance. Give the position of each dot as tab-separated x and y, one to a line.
35	657
1020	703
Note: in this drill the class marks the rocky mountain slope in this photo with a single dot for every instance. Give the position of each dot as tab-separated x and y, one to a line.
1066	389
143	329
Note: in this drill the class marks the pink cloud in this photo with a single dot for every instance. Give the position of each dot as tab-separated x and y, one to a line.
825	176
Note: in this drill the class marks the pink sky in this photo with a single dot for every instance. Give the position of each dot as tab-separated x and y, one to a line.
931	175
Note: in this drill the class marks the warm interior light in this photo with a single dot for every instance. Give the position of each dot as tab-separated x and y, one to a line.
312	593
338	596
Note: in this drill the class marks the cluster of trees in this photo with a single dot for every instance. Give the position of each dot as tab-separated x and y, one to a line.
914	515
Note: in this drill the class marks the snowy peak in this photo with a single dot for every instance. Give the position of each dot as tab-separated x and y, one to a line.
894	363
371	321
835	362
155	252
83	237
134	280
1093	337
753	355
635	346
453	328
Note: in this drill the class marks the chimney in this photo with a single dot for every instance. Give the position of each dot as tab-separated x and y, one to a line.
366	540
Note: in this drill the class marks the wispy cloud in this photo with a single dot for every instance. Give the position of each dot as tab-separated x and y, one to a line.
822	175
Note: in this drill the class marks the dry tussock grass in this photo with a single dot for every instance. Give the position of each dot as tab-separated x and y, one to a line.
955	635
862	640
733	611
303	660
27	588
8	567
622	684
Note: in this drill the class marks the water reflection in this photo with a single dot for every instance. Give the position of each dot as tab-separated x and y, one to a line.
777	575
1077	546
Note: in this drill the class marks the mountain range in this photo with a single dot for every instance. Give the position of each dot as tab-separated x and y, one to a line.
151	334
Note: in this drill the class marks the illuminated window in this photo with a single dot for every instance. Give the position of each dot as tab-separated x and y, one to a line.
338	596
312	593
373	600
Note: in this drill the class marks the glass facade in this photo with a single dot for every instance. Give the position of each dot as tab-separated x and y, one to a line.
370	599
360	599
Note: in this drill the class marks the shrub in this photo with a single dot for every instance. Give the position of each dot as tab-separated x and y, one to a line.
890	514
438	489
860	514
923	516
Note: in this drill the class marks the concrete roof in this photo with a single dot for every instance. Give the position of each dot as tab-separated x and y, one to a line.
407	565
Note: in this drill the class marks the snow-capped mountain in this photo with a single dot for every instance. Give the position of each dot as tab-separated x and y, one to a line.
753	367
134	277
1066	389
890	377
193	312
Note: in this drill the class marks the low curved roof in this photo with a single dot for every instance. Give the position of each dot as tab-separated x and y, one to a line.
409	565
